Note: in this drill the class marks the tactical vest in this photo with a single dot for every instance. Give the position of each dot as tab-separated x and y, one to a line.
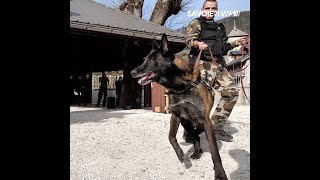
213	34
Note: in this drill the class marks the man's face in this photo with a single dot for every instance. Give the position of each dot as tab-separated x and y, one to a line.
209	9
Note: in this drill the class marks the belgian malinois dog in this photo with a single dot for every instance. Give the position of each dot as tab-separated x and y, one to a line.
190	99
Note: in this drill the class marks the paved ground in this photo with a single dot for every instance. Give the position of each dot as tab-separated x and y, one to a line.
133	144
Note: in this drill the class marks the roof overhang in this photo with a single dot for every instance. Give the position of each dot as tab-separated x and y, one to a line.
108	30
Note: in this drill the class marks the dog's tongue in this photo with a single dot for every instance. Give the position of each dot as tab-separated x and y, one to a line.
142	79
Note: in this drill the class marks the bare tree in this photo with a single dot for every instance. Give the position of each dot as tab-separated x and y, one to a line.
164	9
176	20
113	3
165	12
133	7
161	12
147	10
133	99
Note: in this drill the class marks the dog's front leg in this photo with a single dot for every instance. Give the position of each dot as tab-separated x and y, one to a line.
174	125
208	103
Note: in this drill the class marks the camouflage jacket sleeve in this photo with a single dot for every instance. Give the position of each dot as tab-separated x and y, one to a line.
193	32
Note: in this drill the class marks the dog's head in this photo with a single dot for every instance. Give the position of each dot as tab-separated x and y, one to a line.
155	63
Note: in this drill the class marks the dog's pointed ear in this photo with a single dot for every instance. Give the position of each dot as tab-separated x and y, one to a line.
154	44
164	43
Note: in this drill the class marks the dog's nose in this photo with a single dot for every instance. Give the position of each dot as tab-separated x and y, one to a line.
133	73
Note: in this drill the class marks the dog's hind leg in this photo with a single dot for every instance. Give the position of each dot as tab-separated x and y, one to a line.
174	125
197	150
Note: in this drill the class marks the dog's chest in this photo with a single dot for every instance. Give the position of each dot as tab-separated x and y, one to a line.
186	104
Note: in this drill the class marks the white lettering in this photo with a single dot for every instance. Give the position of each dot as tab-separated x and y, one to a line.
213	13
189	13
236	13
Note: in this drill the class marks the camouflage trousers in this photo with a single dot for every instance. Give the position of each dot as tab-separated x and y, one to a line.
221	81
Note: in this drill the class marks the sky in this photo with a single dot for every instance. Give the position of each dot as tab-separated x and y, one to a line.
182	19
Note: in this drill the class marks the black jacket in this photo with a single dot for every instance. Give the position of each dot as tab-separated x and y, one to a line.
214	35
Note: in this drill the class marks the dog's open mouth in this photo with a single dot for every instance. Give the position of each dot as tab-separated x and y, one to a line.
147	78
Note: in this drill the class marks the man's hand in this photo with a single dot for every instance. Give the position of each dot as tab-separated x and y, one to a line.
200	45
241	41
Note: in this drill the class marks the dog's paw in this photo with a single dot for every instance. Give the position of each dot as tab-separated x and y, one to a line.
221	177
181	158
180	155
195	156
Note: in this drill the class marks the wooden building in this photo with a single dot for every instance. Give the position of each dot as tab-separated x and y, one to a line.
106	39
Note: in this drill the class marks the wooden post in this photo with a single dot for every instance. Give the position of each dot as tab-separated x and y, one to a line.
158	98
167	103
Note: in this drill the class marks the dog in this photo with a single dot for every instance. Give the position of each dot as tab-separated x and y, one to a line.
190	99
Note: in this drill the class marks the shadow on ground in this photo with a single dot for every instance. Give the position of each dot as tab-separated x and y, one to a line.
204	144
96	115
229	129
243	159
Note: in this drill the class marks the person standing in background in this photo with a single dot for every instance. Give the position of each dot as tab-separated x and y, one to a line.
118	84
86	94
103	90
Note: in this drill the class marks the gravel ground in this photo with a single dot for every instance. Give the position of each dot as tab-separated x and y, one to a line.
133	144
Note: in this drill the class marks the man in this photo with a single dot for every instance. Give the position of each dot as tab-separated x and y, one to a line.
86	96
79	89
71	88
118	84
103	89
204	33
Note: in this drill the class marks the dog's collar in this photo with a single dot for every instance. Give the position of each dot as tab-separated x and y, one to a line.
185	89
194	84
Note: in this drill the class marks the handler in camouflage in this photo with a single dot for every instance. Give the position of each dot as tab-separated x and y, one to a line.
203	33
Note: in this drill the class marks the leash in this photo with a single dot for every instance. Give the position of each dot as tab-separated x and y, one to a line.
215	62
244	92
242	48
213	59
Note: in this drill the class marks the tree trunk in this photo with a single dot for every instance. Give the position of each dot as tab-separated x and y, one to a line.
131	90
164	9
133	7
